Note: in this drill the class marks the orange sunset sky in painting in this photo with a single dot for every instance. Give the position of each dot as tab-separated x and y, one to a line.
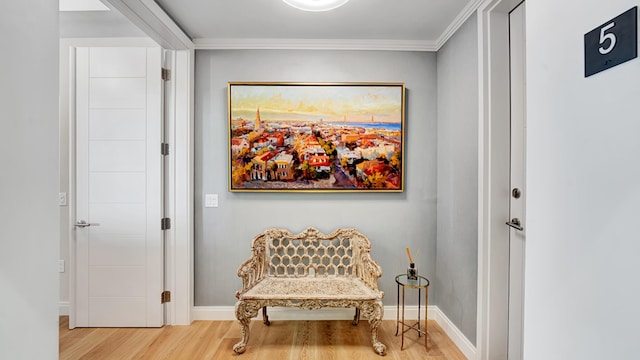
352	103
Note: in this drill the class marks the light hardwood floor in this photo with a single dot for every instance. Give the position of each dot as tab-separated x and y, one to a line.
283	340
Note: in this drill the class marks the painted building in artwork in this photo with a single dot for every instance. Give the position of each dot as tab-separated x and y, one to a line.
350	137
260	169
350	155
272	166
238	144
276	138
260	143
284	166
374	152
320	163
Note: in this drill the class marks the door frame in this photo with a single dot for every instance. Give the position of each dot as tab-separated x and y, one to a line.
518	130
493	178
179	187
150	18
179	184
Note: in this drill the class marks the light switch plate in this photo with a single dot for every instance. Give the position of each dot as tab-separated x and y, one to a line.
62	199
211	200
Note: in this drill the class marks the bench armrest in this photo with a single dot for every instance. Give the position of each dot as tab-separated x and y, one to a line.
366	269
253	270
369	271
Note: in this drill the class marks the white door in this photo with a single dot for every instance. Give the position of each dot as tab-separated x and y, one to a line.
518	193
119	256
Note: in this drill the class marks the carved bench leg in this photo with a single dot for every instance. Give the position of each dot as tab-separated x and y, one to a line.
245	311
373	311
265	317
356	318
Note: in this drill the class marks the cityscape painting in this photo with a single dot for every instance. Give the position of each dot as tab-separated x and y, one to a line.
314	137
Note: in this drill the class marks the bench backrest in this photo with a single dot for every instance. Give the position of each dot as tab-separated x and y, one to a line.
293	257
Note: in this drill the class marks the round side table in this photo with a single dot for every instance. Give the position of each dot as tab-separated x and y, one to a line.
419	283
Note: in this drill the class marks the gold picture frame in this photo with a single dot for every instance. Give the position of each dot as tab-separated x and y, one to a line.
316	137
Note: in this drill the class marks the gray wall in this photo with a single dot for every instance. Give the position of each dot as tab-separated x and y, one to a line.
392	221
29	178
94	24
457	209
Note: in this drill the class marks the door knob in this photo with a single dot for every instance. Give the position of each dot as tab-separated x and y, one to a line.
515	223
516	193
84	224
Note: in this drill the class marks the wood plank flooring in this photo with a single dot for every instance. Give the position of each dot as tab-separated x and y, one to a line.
283	340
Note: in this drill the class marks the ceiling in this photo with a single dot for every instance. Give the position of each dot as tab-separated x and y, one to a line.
424	20
424	24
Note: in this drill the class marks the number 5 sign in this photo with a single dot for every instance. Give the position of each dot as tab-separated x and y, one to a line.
612	43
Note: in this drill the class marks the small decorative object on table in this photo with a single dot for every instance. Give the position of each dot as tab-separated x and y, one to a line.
412	272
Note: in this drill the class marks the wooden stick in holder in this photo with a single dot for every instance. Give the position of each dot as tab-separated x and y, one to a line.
409	253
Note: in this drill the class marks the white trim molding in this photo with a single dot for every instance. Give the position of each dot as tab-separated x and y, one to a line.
493	176
277	313
465	14
180	125
63	308
221	313
314	44
150	18
216	313
458	338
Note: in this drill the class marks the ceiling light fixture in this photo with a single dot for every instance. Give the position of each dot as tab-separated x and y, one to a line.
316	5
82	5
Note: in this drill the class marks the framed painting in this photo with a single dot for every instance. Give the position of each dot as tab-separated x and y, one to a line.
315	137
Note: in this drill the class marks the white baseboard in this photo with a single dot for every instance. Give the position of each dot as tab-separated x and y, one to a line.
213	313
280	313
275	313
63	308
458	338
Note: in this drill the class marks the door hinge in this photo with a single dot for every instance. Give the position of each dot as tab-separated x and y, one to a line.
165	224
166	74
165	297
164	149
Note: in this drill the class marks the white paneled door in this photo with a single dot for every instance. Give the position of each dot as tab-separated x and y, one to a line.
119	253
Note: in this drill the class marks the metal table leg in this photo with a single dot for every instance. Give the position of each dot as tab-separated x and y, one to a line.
397	308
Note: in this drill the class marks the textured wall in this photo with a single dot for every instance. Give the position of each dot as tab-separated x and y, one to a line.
92	24
391	221
457	229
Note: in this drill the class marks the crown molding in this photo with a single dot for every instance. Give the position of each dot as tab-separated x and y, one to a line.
314	44
153	21
463	16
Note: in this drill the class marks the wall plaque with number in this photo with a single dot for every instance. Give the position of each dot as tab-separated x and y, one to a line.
612	43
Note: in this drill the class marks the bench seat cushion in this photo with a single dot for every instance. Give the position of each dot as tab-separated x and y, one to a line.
311	288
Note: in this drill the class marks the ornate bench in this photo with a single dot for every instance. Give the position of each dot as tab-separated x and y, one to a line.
310	270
